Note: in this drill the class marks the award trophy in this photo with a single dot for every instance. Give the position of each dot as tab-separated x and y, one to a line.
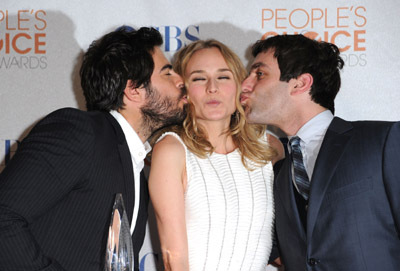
119	250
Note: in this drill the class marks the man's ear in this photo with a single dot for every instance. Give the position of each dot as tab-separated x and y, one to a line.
133	93
302	84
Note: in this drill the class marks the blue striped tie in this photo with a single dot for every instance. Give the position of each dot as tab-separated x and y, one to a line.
300	173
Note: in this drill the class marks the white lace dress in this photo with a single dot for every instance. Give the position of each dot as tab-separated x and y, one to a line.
229	212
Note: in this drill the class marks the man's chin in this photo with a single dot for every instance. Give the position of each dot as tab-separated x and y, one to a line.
176	117
246	110
249	117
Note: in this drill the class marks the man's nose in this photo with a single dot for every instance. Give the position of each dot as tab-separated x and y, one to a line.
178	81
247	85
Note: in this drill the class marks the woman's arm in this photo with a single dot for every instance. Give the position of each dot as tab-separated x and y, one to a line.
167	184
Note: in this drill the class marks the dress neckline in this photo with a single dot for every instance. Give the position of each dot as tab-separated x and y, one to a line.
224	154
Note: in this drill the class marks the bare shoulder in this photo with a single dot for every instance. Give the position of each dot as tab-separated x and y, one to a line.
168	156
170	146
276	144
168	163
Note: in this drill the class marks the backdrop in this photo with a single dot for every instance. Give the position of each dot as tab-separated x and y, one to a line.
42	41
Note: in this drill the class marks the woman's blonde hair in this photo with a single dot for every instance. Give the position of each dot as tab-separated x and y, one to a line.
245	136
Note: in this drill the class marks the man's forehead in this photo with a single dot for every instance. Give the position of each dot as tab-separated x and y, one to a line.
263	59
157	53
160	61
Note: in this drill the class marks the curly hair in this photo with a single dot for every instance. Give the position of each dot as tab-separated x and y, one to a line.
108	64
297	54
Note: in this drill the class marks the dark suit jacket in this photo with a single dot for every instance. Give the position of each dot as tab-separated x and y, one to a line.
353	218
57	193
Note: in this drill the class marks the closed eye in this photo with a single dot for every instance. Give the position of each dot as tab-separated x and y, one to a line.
198	79
167	69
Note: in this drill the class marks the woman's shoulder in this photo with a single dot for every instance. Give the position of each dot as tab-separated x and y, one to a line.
169	143
170	137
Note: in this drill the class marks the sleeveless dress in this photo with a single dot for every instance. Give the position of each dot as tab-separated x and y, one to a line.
229	212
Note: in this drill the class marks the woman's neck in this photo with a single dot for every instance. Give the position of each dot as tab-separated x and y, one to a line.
217	136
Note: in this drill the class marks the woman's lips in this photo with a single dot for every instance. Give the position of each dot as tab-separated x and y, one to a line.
213	102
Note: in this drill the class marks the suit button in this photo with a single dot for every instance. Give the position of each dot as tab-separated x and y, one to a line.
313	261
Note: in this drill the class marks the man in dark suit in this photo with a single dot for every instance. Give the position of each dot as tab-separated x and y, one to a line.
57	193
337	192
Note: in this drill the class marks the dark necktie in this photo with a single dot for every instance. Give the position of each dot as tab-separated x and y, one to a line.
300	173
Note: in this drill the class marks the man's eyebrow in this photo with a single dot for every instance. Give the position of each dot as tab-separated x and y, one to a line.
166	67
258	65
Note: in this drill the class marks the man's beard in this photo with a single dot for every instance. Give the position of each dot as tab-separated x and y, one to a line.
161	112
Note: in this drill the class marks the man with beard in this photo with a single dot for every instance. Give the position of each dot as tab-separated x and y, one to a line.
57	193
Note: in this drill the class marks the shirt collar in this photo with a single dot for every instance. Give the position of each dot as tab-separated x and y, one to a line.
315	127
137	149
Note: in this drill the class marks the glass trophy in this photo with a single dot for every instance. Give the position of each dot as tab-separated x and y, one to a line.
119	250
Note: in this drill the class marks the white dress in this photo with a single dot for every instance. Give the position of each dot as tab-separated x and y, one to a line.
229	212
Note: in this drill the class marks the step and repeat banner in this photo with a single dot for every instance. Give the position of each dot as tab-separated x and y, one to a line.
42	42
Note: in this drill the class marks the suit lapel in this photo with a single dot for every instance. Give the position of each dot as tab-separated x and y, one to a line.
127	168
335	142
284	188
129	195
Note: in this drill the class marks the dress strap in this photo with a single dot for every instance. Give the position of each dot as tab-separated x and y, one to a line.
174	135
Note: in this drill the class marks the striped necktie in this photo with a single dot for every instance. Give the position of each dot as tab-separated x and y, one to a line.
300	173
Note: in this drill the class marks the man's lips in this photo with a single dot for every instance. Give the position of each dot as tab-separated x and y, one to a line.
243	98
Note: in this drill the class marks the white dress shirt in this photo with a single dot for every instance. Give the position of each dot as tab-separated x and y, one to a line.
138	152
311	136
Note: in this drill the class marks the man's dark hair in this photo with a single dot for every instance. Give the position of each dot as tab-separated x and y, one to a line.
297	54
119	56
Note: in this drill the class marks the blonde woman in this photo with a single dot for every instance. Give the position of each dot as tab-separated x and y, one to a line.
211	181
